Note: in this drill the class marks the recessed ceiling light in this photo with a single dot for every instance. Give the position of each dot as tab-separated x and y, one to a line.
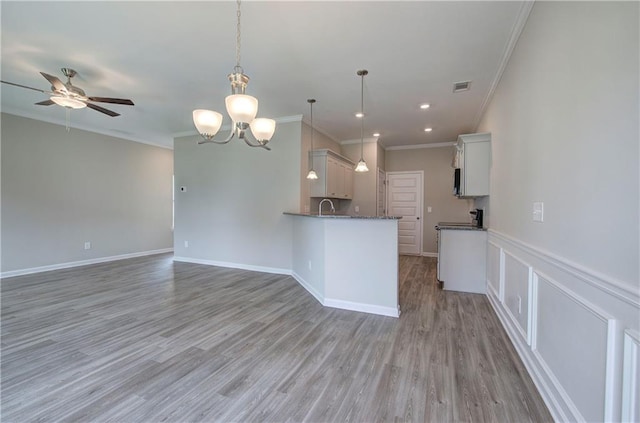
425	106
359	115
377	134
428	129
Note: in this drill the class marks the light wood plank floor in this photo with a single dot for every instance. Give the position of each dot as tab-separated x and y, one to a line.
147	340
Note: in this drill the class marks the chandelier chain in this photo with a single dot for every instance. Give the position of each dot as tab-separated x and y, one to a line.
238	37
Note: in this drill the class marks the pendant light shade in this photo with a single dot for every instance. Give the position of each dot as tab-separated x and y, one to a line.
362	165
312	173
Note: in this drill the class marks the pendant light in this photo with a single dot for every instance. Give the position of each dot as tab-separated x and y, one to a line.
362	165
241	108
312	173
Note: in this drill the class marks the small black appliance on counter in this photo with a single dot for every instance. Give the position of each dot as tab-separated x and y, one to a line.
477	219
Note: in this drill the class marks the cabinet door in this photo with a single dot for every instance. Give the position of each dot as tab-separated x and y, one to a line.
318	187
334	175
348	181
477	157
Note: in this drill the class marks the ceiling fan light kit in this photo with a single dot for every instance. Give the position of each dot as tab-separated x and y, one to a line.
68	102
242	109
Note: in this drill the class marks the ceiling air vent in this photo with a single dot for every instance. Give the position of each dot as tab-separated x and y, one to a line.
461	86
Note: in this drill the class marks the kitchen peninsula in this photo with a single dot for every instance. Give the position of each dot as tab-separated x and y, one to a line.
348	262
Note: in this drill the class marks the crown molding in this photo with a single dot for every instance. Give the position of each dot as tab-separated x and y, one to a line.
418	146
366	140
75	125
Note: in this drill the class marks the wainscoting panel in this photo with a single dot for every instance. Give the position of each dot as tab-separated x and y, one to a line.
631	378
494	266
571	340
576	330
517	279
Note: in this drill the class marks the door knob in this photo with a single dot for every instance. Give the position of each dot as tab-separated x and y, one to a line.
418	218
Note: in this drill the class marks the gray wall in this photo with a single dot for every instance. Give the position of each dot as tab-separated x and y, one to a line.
364	184
438	188
61	189
564	123
231	213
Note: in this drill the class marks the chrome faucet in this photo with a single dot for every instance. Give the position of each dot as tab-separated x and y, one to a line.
333	209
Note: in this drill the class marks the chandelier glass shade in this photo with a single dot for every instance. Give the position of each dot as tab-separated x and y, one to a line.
242	109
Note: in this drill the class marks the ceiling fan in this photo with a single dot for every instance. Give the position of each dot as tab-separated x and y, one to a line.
72	97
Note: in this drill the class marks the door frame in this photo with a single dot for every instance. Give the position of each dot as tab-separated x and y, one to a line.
420	203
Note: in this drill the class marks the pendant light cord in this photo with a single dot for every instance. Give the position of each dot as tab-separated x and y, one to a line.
311	101
362	121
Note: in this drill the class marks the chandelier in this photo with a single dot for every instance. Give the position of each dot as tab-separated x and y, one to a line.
362	165
242	109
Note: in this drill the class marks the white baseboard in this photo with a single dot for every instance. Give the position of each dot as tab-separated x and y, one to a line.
317	295
346	305
429	254
68	265
242	266
364	308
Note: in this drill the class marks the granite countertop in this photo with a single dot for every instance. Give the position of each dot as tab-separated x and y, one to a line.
344	216
458	226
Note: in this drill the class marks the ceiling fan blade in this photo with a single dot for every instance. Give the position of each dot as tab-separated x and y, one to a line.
112	100
45	103
24	86
55	82
102	110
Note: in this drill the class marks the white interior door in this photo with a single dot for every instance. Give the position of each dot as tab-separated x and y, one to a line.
404	191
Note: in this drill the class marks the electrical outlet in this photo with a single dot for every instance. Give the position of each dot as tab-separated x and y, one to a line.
87	245
186	244
357	209
429	209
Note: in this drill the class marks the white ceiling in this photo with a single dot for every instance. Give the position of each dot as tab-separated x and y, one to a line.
173	57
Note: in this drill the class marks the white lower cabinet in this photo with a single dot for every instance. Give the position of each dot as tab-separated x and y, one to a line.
462	255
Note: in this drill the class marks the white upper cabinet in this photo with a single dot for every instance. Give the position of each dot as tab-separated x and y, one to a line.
474	161
335	175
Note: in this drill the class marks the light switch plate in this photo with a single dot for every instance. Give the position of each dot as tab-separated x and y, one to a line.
538	211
